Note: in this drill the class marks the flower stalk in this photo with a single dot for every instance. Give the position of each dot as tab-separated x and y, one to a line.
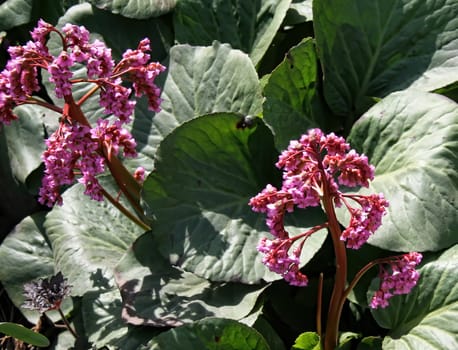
314	168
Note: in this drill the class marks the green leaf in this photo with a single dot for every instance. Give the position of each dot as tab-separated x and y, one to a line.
25	140
427	317
307	341
86	247
14	13
290	94
206	172
246	25
211	334
372	48
159	294
25	256
412	139
24	334
142	9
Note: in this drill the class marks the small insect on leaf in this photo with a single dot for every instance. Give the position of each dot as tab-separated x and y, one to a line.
247	121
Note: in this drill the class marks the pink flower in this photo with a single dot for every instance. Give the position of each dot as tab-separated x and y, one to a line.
61	74
70	148
399	277
277	259
365	221
139	174
314	166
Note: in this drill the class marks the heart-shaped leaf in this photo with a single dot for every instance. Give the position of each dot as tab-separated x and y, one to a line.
142	9
411	138
426	318
156	293
248	26
206	172
210	334
372	48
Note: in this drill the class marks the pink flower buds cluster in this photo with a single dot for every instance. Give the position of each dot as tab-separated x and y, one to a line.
76	147
396	277
313	165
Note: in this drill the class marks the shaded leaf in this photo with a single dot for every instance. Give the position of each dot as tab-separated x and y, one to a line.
206	172
156	293
24	334
412	139
372	48
101	312
426	318
211	334
248	26
142	9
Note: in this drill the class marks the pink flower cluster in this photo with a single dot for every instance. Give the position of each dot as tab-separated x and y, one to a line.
399	277
312	166
76	149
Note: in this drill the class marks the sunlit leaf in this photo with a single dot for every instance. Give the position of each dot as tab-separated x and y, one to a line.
412	139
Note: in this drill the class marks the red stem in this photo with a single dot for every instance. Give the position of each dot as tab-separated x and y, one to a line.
336	303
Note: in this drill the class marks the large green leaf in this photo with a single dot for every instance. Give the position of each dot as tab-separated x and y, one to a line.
88	239
290	93
412	139
24	334
142	9
372	48
427	318
210	334
159	294
246	25
206	172
25	256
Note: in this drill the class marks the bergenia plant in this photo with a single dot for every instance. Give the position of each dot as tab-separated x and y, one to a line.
77	150
253	175
315	169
